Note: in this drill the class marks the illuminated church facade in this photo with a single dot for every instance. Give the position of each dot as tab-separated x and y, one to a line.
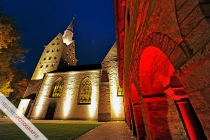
61	90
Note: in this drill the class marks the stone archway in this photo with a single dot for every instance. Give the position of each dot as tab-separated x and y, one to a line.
162	117
165	101
50	110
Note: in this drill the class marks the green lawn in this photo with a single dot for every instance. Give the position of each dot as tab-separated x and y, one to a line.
51	131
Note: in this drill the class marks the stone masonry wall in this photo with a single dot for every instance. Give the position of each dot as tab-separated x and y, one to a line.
67	105
110	65
180	29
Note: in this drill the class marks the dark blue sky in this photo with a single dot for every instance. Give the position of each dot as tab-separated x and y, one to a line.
41	20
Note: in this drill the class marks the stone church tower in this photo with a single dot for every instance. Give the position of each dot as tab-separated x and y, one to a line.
59	53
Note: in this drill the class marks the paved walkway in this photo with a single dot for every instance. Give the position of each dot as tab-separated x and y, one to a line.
115	130
109	131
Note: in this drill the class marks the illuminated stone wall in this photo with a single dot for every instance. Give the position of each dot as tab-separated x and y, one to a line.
180	31
105	104
110	65
67	105
33	87
50	58
55	55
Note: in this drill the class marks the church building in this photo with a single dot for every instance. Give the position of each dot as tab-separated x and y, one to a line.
61	90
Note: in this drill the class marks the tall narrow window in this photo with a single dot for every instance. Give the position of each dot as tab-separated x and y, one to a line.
119	91
85	91
57	89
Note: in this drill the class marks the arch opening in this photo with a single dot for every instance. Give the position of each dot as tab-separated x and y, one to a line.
57	89
162	93
50	111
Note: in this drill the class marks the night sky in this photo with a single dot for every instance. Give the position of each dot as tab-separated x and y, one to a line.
39	21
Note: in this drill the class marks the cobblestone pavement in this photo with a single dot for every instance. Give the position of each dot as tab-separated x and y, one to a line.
109	131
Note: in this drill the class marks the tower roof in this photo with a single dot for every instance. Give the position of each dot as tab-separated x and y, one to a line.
71	25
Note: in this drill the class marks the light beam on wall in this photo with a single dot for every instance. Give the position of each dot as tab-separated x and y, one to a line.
115	101
92	107
95	92
69	90
42	95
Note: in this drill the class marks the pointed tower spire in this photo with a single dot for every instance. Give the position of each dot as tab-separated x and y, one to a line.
68	33
71	25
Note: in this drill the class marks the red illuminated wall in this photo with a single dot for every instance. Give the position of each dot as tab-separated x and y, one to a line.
119	11
158	40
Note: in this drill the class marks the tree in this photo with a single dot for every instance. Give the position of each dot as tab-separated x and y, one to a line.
19	84
11	52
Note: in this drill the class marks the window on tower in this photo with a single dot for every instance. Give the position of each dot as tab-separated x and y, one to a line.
48	51
55	57
58	49
67	53
50	58
53	50
45	58
57	88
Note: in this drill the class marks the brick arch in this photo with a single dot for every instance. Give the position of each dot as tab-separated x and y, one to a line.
193	20
155	70
162	56
204	6
194	23
51	110
167	45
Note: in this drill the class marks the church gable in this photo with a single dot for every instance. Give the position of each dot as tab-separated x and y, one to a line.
110	62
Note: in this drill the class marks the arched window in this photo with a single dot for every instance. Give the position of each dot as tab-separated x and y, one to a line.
85	91
57	89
